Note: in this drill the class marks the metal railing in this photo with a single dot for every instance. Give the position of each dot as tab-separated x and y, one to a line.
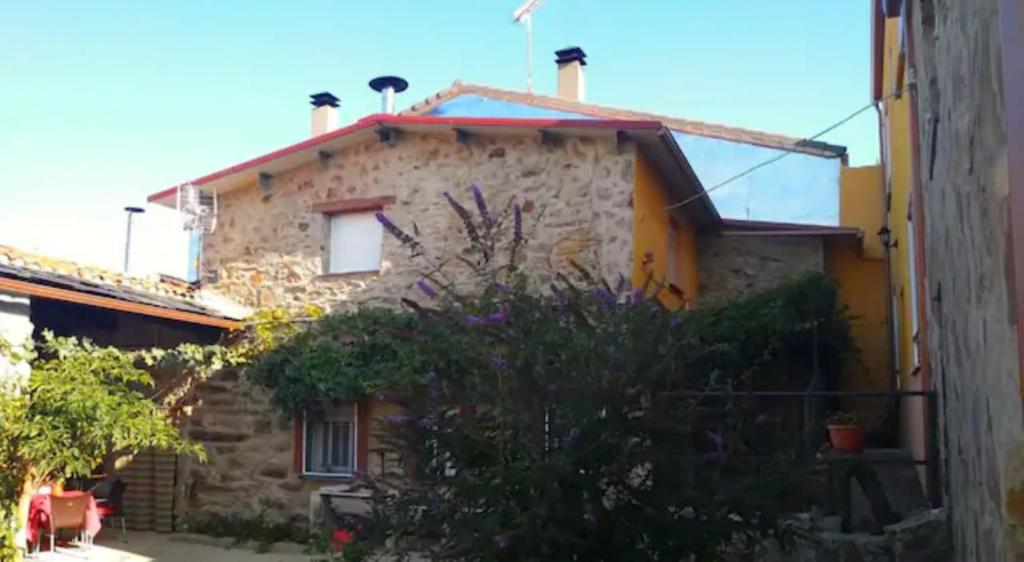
808	399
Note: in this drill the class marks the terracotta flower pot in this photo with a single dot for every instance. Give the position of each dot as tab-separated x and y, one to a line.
846	438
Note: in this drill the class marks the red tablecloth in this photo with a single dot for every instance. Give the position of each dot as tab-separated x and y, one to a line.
39	515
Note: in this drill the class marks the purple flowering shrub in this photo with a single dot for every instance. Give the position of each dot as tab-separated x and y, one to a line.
557	424
561	423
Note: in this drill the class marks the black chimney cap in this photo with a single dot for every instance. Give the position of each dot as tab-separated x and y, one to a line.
571	54
322	99
381	82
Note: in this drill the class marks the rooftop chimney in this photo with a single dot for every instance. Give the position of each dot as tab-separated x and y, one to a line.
388	86
571	61
325	113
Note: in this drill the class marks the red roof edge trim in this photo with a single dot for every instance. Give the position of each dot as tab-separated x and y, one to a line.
385	120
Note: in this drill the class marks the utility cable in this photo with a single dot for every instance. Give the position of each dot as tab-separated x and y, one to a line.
786	152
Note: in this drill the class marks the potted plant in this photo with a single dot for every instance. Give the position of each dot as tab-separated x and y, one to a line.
845	433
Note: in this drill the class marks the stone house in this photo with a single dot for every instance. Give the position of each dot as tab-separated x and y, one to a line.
296	226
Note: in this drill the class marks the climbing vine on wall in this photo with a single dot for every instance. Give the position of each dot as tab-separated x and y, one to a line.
560	423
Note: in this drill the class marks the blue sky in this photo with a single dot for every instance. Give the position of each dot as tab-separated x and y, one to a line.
102	103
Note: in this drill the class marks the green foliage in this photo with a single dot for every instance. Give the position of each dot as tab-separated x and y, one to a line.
569	425
83	404
783	335
345	357
12	470
259	530
566	431
843	418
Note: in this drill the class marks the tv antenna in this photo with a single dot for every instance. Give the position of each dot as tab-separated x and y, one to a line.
524	15
199	211
198	208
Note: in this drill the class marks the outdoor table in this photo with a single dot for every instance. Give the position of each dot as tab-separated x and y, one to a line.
39	510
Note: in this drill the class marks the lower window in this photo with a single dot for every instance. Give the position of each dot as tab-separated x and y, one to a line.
329	442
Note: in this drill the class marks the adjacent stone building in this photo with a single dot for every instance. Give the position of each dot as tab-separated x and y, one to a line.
950	76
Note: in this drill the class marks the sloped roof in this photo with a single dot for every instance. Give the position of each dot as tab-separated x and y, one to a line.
46	277
772	228
652	137
700	128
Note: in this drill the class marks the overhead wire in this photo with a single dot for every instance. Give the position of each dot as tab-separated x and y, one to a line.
786	153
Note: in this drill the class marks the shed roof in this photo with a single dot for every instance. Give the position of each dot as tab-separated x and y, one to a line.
42	276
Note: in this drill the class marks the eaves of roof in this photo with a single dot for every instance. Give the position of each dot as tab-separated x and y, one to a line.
736	134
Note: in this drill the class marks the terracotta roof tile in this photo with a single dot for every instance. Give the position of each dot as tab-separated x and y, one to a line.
724	132
162	291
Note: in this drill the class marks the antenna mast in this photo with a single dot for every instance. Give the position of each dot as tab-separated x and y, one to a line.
524	15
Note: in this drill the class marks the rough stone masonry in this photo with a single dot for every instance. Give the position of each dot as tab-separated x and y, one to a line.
270	248
971	319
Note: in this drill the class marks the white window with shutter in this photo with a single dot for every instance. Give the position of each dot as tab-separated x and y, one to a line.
355	243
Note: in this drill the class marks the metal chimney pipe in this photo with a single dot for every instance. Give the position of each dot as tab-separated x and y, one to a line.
388	86
128	236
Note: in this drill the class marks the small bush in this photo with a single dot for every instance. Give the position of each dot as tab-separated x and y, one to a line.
258	529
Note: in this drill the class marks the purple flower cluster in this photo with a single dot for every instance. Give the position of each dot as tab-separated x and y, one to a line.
517	216
499	316
392	228
605	296
396	420
481	205
426	289
464	216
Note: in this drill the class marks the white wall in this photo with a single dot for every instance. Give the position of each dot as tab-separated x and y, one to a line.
16	329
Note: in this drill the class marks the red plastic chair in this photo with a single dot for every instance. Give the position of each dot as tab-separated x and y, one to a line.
66	513
112	507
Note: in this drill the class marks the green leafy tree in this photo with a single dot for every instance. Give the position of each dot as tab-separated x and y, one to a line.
83	404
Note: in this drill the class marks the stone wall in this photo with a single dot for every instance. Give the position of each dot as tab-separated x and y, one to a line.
250	450
735	265
251	467
269	248
971	317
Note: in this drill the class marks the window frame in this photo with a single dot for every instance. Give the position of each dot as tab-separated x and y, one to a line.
329	258
304	470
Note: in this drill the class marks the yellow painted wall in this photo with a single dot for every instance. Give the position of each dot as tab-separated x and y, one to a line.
896	116
861	283
861	205
899	179
651	234
858	266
